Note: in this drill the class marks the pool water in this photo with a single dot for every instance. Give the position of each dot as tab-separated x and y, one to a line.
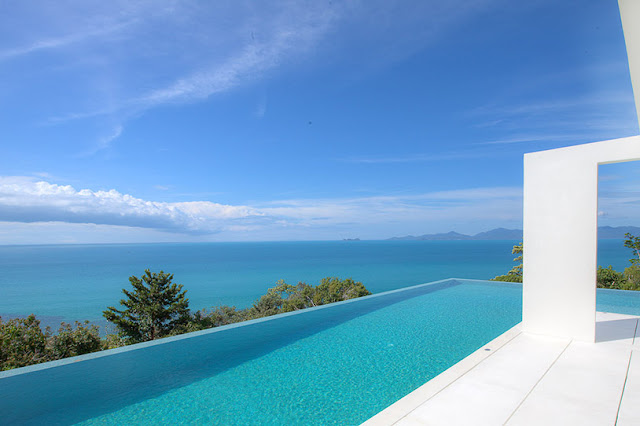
618	301
343	374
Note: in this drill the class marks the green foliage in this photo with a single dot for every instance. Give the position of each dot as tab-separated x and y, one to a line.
634	244
286	298
333	290
272	302
220	316
156	308
515	274
511	278
609	278
22	342
113	341
632	278
281	298
69	341
153	309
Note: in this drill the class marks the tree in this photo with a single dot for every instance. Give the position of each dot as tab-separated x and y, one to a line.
222	315
334	290
69	341
632	278
515	274
634	244
286	298
22	342
153	309
609	278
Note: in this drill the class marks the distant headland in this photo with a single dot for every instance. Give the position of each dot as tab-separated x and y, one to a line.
606	232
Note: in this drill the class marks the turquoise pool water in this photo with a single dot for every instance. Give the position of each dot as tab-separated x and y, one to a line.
618	301
338	364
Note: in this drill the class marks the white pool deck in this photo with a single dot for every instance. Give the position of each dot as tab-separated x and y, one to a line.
525	379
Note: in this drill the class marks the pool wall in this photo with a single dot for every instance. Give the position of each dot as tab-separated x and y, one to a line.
77	388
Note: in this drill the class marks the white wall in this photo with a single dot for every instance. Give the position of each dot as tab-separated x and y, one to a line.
560	235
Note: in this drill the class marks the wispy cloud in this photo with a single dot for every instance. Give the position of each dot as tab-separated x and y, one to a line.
415	158
275	39
103	142
549	119
63	41
425	209
266	38
542	137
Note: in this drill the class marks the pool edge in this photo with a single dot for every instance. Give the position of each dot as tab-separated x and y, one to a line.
405	405
137	346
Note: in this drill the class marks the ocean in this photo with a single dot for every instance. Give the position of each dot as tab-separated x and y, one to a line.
77	282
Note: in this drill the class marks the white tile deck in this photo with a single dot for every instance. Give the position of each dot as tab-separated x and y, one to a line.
525	379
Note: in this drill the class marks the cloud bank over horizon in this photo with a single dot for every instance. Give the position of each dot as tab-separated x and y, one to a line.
28	200
45	212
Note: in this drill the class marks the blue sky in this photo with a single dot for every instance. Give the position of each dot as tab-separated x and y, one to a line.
233	121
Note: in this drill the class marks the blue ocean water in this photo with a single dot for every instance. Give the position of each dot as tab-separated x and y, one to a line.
77	282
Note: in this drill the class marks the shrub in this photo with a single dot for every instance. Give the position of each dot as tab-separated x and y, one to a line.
609	278
22	342
69	341
632	278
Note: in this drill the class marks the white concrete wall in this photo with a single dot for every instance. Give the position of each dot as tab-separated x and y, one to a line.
560	235
630	15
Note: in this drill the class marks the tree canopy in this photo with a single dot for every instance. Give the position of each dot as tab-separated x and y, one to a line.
633	243
155	308
515	274
23	342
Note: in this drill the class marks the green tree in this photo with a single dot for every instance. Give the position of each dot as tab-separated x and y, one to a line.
22	342
515	274
285	297
222	315
633	243
334	289
70	341
609	278
154	308
632	278
272	302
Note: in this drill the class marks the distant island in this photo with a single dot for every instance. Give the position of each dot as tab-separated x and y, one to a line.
351	239
605	232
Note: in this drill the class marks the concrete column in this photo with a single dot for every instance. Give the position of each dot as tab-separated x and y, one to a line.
560	236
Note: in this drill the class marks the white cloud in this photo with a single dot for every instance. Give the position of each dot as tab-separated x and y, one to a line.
24	199
29	200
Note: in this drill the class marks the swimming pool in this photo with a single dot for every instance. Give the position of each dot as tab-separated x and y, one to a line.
335	364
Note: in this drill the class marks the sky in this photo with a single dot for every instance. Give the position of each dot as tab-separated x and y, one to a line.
156	121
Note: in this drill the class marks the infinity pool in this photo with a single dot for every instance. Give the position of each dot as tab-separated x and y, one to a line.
336	364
